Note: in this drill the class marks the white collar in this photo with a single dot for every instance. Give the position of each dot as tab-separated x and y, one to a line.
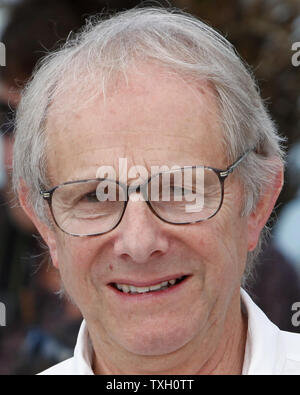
83	353
262	340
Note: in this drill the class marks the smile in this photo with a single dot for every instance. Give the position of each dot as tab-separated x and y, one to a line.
164	285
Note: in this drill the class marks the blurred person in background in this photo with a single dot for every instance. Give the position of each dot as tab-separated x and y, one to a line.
275	286
287	229
40	329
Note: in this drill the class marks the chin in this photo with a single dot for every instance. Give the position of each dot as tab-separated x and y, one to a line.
158	341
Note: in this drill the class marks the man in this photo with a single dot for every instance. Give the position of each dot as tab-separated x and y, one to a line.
146	160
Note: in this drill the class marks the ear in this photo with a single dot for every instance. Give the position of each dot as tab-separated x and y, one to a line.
260	215
45	230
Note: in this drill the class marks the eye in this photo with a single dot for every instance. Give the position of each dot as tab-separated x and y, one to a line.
91	197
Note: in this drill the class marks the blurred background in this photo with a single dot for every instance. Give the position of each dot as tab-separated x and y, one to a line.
41	328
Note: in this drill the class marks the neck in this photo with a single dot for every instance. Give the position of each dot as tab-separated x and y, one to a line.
219	350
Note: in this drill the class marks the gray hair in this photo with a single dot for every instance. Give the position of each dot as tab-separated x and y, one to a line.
105	48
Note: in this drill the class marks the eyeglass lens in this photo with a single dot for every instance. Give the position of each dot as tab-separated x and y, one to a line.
178	197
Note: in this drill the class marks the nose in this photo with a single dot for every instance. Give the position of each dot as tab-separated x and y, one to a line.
140	235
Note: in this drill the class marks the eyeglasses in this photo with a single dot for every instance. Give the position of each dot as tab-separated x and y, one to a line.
96	206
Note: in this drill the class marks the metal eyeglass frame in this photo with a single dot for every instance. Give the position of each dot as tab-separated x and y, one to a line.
222	175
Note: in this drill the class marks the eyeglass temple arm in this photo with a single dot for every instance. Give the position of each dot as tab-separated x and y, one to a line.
230	169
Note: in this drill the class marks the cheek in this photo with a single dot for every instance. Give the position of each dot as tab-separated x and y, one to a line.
220	245
231	228
75	257
78	253
231	242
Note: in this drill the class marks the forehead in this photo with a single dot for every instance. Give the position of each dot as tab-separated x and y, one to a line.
153	118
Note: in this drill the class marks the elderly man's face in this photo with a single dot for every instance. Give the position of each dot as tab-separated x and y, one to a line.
154	120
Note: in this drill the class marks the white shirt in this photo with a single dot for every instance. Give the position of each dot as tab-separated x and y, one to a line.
268	349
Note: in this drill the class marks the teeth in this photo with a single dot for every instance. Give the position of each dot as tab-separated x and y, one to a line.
155	287
125	288
131	289
138	289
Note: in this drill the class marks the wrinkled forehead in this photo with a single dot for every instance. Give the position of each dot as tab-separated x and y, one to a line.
80	89
152	115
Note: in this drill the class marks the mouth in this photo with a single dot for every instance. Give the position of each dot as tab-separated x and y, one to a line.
131	289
